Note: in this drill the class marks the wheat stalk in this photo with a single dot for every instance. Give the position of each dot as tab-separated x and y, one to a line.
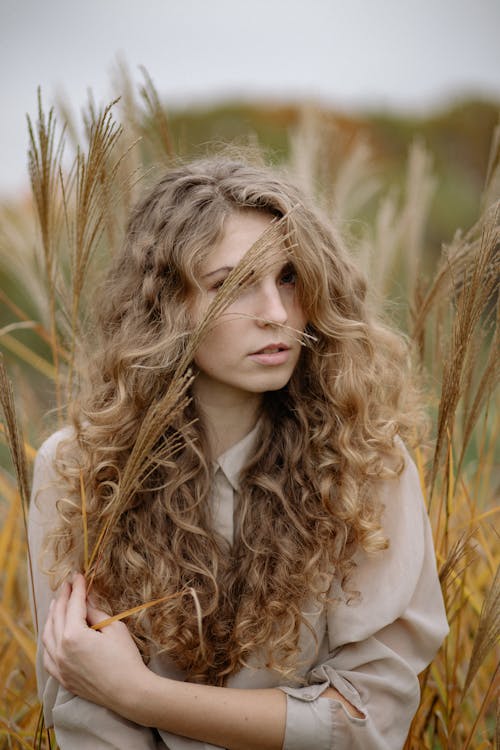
16	443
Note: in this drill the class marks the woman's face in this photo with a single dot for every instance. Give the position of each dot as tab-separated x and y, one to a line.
252	347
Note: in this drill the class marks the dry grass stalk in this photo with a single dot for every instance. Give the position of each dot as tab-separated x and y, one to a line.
144	458
157	115
14	435
44	160
492	689
497	731
16	443
334	166
456	258
83	496
91	173
450	566
134	610
477	287
485	389
29	356
420	187
492	182
488	632
147	605
38	328
44	164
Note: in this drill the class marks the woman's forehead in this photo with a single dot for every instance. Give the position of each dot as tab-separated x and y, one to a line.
241	230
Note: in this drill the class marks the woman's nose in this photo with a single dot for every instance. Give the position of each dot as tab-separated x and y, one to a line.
271	308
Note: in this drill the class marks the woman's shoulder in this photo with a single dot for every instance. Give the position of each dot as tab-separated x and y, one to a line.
48	449
46	487
399	581
50	444
402	496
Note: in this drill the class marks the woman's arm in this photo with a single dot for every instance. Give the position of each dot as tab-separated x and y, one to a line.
79	724
379	643
105	667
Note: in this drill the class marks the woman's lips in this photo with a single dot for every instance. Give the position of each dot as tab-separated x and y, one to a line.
273	354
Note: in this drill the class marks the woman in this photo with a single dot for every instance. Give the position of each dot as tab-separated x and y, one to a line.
239	445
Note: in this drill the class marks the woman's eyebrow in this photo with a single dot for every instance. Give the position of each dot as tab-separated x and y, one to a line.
286	264
217	270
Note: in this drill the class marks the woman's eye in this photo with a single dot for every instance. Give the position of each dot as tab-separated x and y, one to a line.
289	277
217	285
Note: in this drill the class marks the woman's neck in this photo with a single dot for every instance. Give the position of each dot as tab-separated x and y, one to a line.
228	417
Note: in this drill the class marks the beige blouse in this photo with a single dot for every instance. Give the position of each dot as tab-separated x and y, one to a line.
371	650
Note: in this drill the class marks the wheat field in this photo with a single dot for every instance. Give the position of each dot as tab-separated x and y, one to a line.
84	177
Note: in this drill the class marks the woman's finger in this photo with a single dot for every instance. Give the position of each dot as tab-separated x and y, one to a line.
57	614
51	667
76	610
95	615
48	638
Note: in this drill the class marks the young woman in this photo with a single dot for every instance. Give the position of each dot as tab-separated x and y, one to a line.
240	442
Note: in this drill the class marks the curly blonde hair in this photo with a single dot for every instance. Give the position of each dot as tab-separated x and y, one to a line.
308	496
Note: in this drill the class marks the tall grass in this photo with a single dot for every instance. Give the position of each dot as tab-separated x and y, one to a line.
51	253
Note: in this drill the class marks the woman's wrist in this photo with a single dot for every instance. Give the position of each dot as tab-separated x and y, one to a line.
137	701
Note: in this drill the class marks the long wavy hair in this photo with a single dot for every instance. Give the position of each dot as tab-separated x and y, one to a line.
308	495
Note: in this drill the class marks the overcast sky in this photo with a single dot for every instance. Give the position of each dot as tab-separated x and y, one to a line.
397	54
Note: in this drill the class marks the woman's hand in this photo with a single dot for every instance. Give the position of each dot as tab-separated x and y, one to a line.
96	665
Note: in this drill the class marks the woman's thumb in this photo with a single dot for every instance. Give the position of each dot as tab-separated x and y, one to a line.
95	615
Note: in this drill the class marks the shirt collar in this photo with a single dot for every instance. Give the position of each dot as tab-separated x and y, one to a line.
233	460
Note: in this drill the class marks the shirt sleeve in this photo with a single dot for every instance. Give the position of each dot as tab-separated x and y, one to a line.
377	644
78	724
